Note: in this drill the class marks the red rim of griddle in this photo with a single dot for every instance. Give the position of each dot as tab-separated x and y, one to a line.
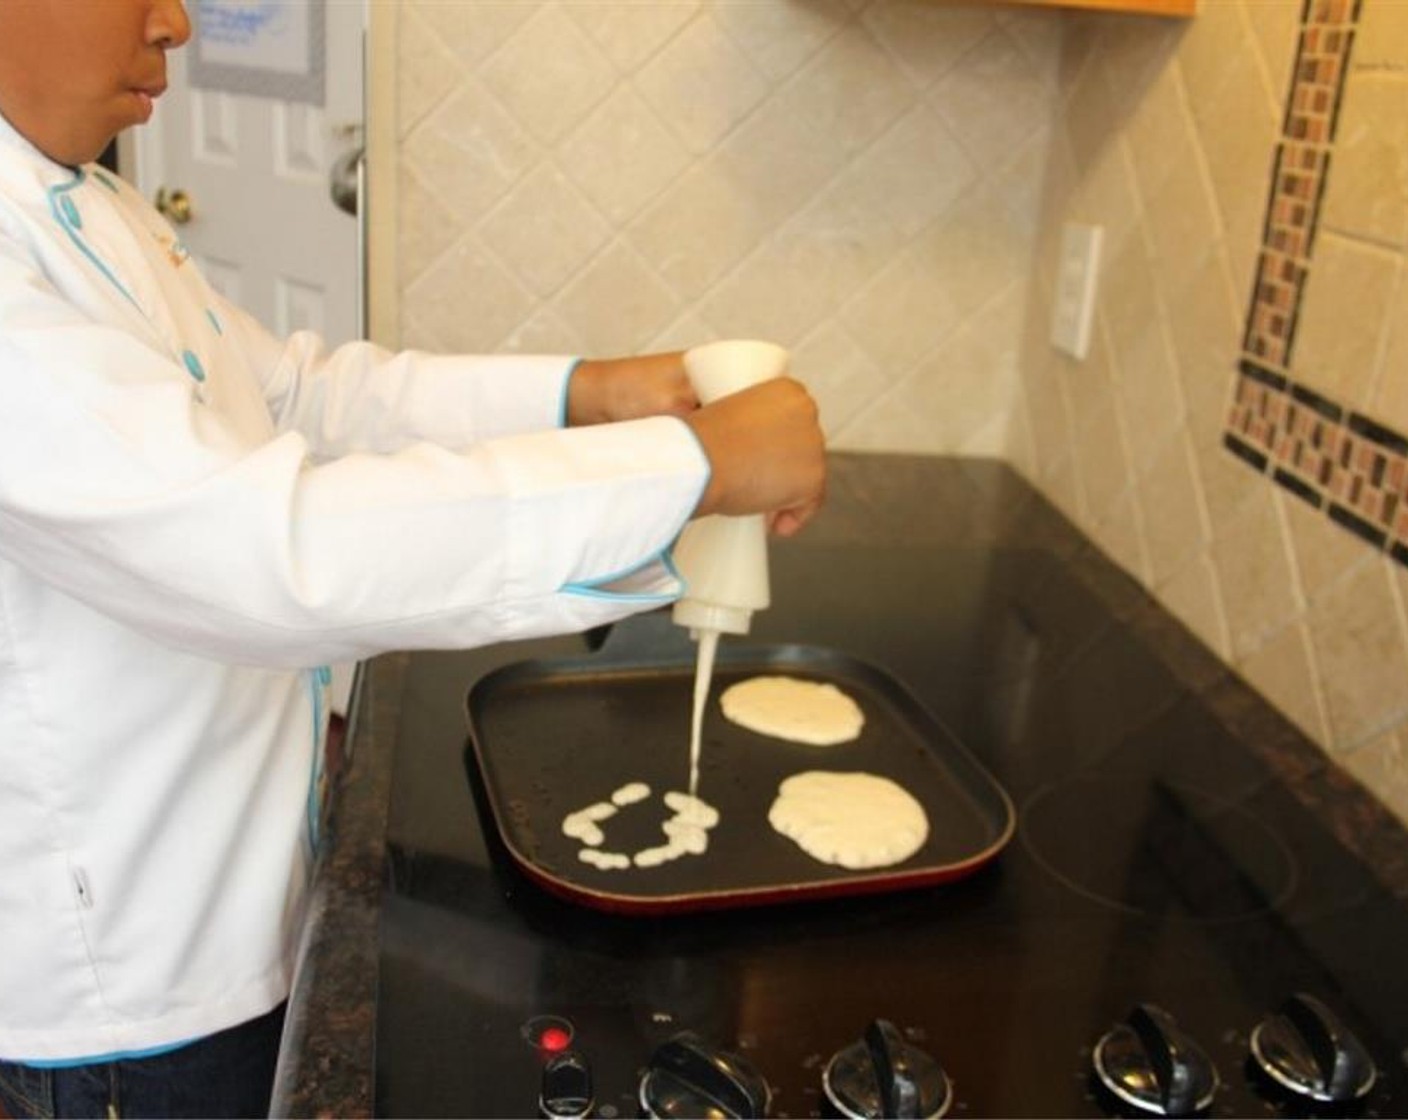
912	728
882	882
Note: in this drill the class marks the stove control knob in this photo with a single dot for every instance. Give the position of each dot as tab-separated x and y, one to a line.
688	1077
566	1087
1147	1062
1304	1047
883	1075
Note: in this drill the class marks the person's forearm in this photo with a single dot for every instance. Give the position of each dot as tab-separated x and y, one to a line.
609	389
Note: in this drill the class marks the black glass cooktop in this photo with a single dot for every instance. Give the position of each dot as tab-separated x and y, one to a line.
1158	861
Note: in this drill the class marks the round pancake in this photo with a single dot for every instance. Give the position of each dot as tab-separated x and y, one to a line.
853	820
800	711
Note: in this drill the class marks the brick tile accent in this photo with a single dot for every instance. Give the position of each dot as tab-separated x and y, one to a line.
1353	468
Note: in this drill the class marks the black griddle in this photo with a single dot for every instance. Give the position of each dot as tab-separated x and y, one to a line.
550	737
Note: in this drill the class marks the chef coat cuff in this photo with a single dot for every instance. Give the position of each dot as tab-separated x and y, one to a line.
655	579
566	389
458	400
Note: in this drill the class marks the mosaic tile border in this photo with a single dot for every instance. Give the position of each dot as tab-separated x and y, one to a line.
1348	466
1352	468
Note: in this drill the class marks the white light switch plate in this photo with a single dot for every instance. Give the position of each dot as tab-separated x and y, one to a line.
1073	308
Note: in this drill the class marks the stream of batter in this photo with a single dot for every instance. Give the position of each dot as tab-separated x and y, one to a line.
703	674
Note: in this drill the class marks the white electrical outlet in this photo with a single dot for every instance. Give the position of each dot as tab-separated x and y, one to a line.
1074	306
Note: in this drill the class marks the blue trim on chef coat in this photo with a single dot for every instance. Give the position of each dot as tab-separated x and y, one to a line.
65	212
595	590
566	384
319	679
97	1059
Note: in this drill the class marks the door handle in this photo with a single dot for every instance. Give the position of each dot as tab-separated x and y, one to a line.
175	205
344	181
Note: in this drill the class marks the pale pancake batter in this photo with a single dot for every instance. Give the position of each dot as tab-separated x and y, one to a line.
703	674
853	820
630	793
686	831
787	708
584	824
607	861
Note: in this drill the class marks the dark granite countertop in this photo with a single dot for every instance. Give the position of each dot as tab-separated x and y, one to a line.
327	1065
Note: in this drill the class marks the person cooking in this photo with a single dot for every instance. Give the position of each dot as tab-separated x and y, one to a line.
194	517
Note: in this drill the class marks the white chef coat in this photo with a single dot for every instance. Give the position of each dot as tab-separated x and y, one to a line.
192	514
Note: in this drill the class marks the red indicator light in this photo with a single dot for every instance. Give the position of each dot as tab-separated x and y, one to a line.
548	1034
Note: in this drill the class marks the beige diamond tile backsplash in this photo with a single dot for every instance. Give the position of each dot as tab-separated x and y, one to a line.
1172	131
700	83
1391	386
1367	196
623	156
838	176
881	185
545	230
549	73
1344	317
631	33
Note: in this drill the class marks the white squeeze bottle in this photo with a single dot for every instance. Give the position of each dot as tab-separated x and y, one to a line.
723	560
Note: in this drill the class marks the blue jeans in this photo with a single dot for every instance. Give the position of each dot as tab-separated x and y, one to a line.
230	1074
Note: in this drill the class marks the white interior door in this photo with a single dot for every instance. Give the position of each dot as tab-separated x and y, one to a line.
255	172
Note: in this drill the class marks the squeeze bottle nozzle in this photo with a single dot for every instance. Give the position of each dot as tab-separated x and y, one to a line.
723	560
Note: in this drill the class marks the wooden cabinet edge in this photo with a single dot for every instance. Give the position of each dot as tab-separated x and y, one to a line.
1183	8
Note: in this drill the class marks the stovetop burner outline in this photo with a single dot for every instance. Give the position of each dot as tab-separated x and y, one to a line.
1247	869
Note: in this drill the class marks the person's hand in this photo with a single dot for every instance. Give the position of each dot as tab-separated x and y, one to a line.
606	390
767	454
